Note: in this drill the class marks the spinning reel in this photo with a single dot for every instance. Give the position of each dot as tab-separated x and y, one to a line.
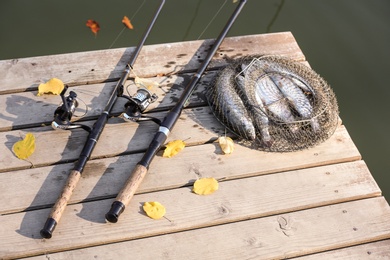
63	114
134	108
138	104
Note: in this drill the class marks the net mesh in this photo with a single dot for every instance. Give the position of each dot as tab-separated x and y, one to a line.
274	103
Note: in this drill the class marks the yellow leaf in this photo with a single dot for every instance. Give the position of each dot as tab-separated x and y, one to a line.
173	148
154	209
146	83
53	86
24	148
205	186
227	144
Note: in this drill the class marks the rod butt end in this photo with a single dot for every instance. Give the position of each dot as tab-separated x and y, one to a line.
116	210
48	228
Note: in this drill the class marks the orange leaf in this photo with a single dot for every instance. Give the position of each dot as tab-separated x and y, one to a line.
127	22
93	25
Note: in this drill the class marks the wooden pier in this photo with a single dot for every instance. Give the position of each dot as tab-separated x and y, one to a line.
320	203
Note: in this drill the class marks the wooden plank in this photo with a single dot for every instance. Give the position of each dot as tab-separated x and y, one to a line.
97	66
236	200
313	204
25	109
275	237
376	250
196	125
103	178
133	137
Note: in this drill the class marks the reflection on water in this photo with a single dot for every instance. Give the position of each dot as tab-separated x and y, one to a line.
346	41
275	17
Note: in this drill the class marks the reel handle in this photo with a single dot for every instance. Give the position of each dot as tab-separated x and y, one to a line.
60	205
127	193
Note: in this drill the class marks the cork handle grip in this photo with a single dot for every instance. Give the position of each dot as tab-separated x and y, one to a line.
65	195
132	184
127	192
60	205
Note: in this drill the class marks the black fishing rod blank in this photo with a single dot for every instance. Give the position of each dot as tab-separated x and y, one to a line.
136	177
62	118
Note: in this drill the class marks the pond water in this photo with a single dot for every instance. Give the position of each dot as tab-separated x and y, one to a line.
346	41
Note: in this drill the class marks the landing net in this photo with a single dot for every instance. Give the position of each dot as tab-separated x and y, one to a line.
274	103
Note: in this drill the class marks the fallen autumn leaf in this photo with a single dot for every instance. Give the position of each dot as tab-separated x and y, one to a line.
154	209
205	186
24	148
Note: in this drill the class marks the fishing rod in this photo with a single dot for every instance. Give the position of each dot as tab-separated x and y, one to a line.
140	170
62	117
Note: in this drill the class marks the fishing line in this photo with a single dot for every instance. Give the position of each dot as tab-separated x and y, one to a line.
63	115
123	29
192	20
131	83
212	19
81	115
86	109
125	195
112	44
117	37
204	30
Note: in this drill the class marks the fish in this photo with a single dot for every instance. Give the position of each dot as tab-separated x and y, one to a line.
273	99
228	106
281	65
292	89
296	97
302	84
265	91
258	114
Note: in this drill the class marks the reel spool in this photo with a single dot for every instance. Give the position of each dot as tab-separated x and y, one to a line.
274	103
138	104
63	114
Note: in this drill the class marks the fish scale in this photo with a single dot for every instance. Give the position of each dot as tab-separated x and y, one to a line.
228	106
258	114
297	98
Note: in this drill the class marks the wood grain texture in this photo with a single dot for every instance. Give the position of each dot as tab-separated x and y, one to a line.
375	250
26	109
308	231
103	178
321	202
197	125
19	75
